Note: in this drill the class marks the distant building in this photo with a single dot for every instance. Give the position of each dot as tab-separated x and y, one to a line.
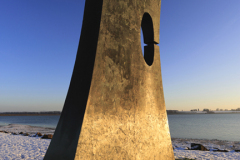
194	110
205	109
238	109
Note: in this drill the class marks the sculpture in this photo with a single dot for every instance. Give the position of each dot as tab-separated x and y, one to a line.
115	106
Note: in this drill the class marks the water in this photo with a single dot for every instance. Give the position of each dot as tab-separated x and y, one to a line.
205	126
196	126
42	121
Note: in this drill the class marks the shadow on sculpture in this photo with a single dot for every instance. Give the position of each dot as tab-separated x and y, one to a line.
115	106
65	139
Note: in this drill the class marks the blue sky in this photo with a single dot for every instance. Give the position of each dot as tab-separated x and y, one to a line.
199	45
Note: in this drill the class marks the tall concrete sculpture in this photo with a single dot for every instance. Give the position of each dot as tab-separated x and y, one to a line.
115	106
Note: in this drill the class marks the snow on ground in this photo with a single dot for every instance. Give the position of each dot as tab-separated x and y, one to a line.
208	155
18	147
16	128
180	145
209	144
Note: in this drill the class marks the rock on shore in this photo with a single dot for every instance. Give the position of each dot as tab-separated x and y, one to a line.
17	128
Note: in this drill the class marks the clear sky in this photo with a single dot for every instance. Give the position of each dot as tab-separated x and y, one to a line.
199	45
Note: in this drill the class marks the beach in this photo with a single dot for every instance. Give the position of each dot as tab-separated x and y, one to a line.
28	147
227	149
22	147
17	128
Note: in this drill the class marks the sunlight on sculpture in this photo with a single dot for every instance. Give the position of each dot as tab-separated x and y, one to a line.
115	105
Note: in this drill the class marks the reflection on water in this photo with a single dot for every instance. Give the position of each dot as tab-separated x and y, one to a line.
196	126
42	121
205	126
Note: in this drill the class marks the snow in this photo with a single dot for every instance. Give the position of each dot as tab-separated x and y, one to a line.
180	145
180	154
16	128
18	147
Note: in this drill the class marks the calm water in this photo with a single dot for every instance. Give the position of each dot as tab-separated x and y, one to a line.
42	121
205	126
199	126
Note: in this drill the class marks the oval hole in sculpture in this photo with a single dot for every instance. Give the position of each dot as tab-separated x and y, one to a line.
147	37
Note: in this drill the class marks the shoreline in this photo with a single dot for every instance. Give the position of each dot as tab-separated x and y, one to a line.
210	149
32	114
42	113
200	113
15	135
185	143
17	128
173	112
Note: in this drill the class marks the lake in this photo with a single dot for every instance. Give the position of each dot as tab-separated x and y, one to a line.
205	126
196	126
41	121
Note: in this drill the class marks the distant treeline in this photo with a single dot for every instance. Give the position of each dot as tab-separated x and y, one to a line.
172	112
29	113
202	112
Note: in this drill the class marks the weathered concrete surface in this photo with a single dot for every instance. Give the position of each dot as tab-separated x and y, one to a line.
120	94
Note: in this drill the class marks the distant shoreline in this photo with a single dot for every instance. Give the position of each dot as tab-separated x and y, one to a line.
53	113
29	114
170	112
200	113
